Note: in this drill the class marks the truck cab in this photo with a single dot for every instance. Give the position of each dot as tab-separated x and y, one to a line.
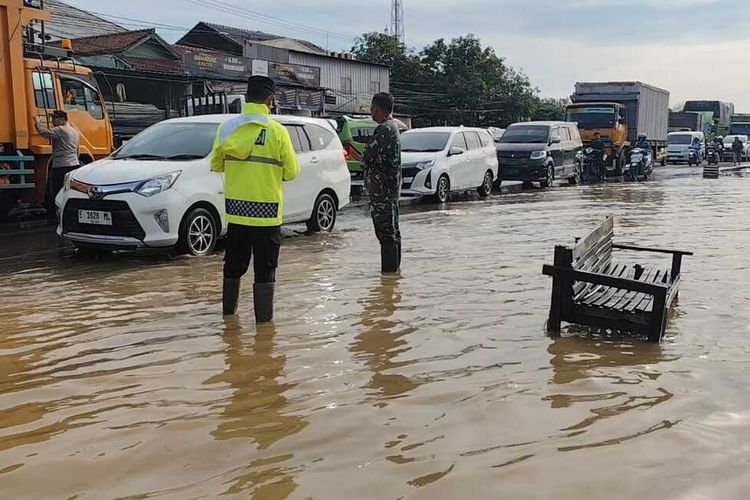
606	118
36	80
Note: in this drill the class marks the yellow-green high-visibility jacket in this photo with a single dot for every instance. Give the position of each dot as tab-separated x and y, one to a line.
256	155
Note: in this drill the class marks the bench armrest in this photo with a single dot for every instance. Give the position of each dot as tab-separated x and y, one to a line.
607	280
646	249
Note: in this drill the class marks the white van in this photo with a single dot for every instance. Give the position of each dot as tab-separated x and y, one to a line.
438	160
678	146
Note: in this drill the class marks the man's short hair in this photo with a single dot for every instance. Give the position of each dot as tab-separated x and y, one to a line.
59	114
384	101
259	88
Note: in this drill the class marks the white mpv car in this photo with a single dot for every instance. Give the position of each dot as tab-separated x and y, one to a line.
438	160
158	190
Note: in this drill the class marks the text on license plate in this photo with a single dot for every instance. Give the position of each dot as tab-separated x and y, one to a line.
406	180
95	217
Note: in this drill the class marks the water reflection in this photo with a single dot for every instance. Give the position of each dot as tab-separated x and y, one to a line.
609	378
383	340
255	410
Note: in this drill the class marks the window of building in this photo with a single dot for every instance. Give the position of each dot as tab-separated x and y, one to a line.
44	90
346	84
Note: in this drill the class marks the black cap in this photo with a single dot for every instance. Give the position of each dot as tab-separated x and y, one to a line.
60	114
261	84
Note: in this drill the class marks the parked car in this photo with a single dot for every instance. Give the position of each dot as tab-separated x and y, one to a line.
540	152
678	146
439	160
158	191
728	152
355	133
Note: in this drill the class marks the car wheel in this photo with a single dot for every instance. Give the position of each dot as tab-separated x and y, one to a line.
547	182
443	189
486	188
576	178
324	214
199	233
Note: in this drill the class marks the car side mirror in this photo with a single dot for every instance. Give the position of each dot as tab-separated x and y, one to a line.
555	139
455	151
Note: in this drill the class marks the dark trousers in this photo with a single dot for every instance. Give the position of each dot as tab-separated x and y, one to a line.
261	244
385	218
55	181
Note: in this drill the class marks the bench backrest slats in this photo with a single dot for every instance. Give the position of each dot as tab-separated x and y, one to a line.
584	246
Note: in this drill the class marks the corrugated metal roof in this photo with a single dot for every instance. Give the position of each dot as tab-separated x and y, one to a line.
240	36
69	22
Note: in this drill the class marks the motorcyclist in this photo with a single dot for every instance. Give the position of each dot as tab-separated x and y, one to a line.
737	147
597	144
696	147
719	148
642	143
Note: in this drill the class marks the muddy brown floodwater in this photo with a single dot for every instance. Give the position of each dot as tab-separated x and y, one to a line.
119	378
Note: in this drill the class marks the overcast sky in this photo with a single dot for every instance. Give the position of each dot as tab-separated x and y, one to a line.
696	49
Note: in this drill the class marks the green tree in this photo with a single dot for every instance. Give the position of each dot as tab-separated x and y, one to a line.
550	109
459	82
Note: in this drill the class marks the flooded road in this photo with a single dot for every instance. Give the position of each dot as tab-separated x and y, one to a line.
119	378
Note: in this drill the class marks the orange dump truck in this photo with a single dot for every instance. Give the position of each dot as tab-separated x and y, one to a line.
34	81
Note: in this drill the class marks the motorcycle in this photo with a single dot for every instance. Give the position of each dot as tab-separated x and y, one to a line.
694	156
593	164
714	154
641	165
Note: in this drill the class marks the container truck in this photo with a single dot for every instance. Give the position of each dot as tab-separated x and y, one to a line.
35	80
620	111
721	113
739	124
685	122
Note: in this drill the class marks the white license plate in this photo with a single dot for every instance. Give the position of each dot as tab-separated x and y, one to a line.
95	217
408	179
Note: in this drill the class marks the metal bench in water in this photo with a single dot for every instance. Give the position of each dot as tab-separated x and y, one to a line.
590	288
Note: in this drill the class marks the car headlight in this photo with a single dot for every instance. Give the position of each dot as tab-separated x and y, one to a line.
425	164
538	155
158	184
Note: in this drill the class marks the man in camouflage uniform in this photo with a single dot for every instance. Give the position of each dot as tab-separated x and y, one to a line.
382	171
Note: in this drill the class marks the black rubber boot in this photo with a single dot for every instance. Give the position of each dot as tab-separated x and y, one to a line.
230	296
263	301
389	258
399	257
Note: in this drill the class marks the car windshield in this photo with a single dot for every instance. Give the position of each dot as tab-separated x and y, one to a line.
171	141
680	139
526	135
424	142
592	117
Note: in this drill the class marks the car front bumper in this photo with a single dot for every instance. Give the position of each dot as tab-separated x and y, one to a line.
134	219
528	172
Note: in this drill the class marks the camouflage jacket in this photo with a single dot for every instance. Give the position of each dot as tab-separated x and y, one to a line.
382	162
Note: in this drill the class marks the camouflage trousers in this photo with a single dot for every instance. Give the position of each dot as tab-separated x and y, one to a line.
385	218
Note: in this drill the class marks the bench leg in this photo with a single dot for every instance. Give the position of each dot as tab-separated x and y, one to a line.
658	318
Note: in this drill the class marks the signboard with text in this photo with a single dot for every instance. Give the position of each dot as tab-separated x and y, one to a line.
220	66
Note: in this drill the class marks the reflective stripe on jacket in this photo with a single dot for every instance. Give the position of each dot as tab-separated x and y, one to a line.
256	155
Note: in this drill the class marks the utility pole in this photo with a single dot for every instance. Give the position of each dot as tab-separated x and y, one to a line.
397	20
